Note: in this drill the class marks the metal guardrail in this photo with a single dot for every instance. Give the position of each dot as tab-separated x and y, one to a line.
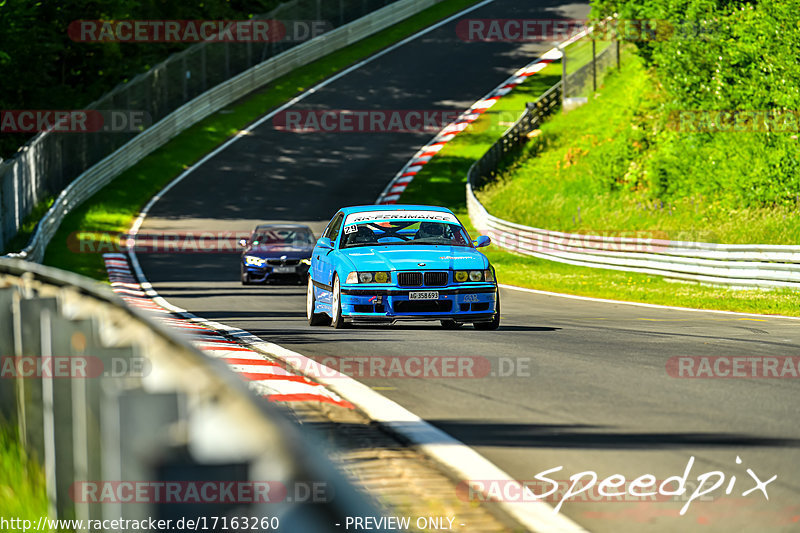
27	186
737	265
122	399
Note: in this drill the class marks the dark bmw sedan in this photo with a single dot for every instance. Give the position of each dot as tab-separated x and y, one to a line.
277	252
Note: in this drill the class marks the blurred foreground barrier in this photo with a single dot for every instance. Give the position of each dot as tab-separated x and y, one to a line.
132	422
42	166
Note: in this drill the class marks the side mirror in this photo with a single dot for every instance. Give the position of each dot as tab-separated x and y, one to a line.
482	241
325	243
242	242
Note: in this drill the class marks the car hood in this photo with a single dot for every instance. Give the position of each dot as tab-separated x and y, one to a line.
278	250
410	257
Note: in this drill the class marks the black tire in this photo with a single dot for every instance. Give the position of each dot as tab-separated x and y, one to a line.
314	319
495	322
246	278
451	324
336	305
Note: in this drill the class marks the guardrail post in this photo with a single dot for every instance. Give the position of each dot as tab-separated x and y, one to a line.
28	343
87	398
137	428
8	382
69	338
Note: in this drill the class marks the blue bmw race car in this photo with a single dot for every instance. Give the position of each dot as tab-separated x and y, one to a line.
384	263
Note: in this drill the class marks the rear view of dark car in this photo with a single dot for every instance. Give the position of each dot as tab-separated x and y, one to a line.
277	252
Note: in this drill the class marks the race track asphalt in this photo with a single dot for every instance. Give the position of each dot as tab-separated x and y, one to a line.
589	387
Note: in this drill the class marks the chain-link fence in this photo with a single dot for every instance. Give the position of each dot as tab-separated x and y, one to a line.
587	78
581	82
52	160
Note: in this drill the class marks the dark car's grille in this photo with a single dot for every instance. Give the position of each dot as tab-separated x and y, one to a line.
409	279
283	262
423	306
435	279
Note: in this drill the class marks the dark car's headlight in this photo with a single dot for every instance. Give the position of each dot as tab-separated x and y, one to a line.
251	260
305	262
368	277
473	275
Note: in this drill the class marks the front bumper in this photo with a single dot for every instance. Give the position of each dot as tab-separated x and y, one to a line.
261	274
468	302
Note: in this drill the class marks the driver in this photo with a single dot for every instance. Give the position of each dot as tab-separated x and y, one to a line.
363	235
430	230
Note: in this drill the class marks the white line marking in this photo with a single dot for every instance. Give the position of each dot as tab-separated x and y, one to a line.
640	304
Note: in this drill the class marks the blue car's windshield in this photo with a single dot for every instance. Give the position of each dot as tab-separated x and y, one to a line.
404	232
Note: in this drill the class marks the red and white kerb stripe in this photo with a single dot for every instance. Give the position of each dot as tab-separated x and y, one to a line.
265	377
391	194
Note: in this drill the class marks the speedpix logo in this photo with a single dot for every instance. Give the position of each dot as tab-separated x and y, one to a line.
586	486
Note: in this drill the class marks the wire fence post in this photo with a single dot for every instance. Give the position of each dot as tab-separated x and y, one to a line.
594	64
563	79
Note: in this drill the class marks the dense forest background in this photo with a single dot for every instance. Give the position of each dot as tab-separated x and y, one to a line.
42	68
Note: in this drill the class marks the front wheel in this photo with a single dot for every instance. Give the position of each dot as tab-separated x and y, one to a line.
495	322
314	319
336	305
246	278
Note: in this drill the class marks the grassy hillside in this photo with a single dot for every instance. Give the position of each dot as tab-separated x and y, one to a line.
590	170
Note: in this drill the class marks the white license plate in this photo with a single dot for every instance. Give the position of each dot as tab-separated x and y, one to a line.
284	270
428	295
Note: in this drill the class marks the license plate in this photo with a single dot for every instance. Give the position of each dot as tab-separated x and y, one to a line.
284	270
428	295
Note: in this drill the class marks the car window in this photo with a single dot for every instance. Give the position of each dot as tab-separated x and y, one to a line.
407	232
287	236
332	231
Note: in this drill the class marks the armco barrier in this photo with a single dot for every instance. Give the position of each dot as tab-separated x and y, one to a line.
738	265
103	397
202	106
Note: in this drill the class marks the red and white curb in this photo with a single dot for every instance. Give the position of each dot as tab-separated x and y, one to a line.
266	378
391	194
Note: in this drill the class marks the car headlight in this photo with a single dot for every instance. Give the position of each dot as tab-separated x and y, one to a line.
306	262
473	275
367	277
254	261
